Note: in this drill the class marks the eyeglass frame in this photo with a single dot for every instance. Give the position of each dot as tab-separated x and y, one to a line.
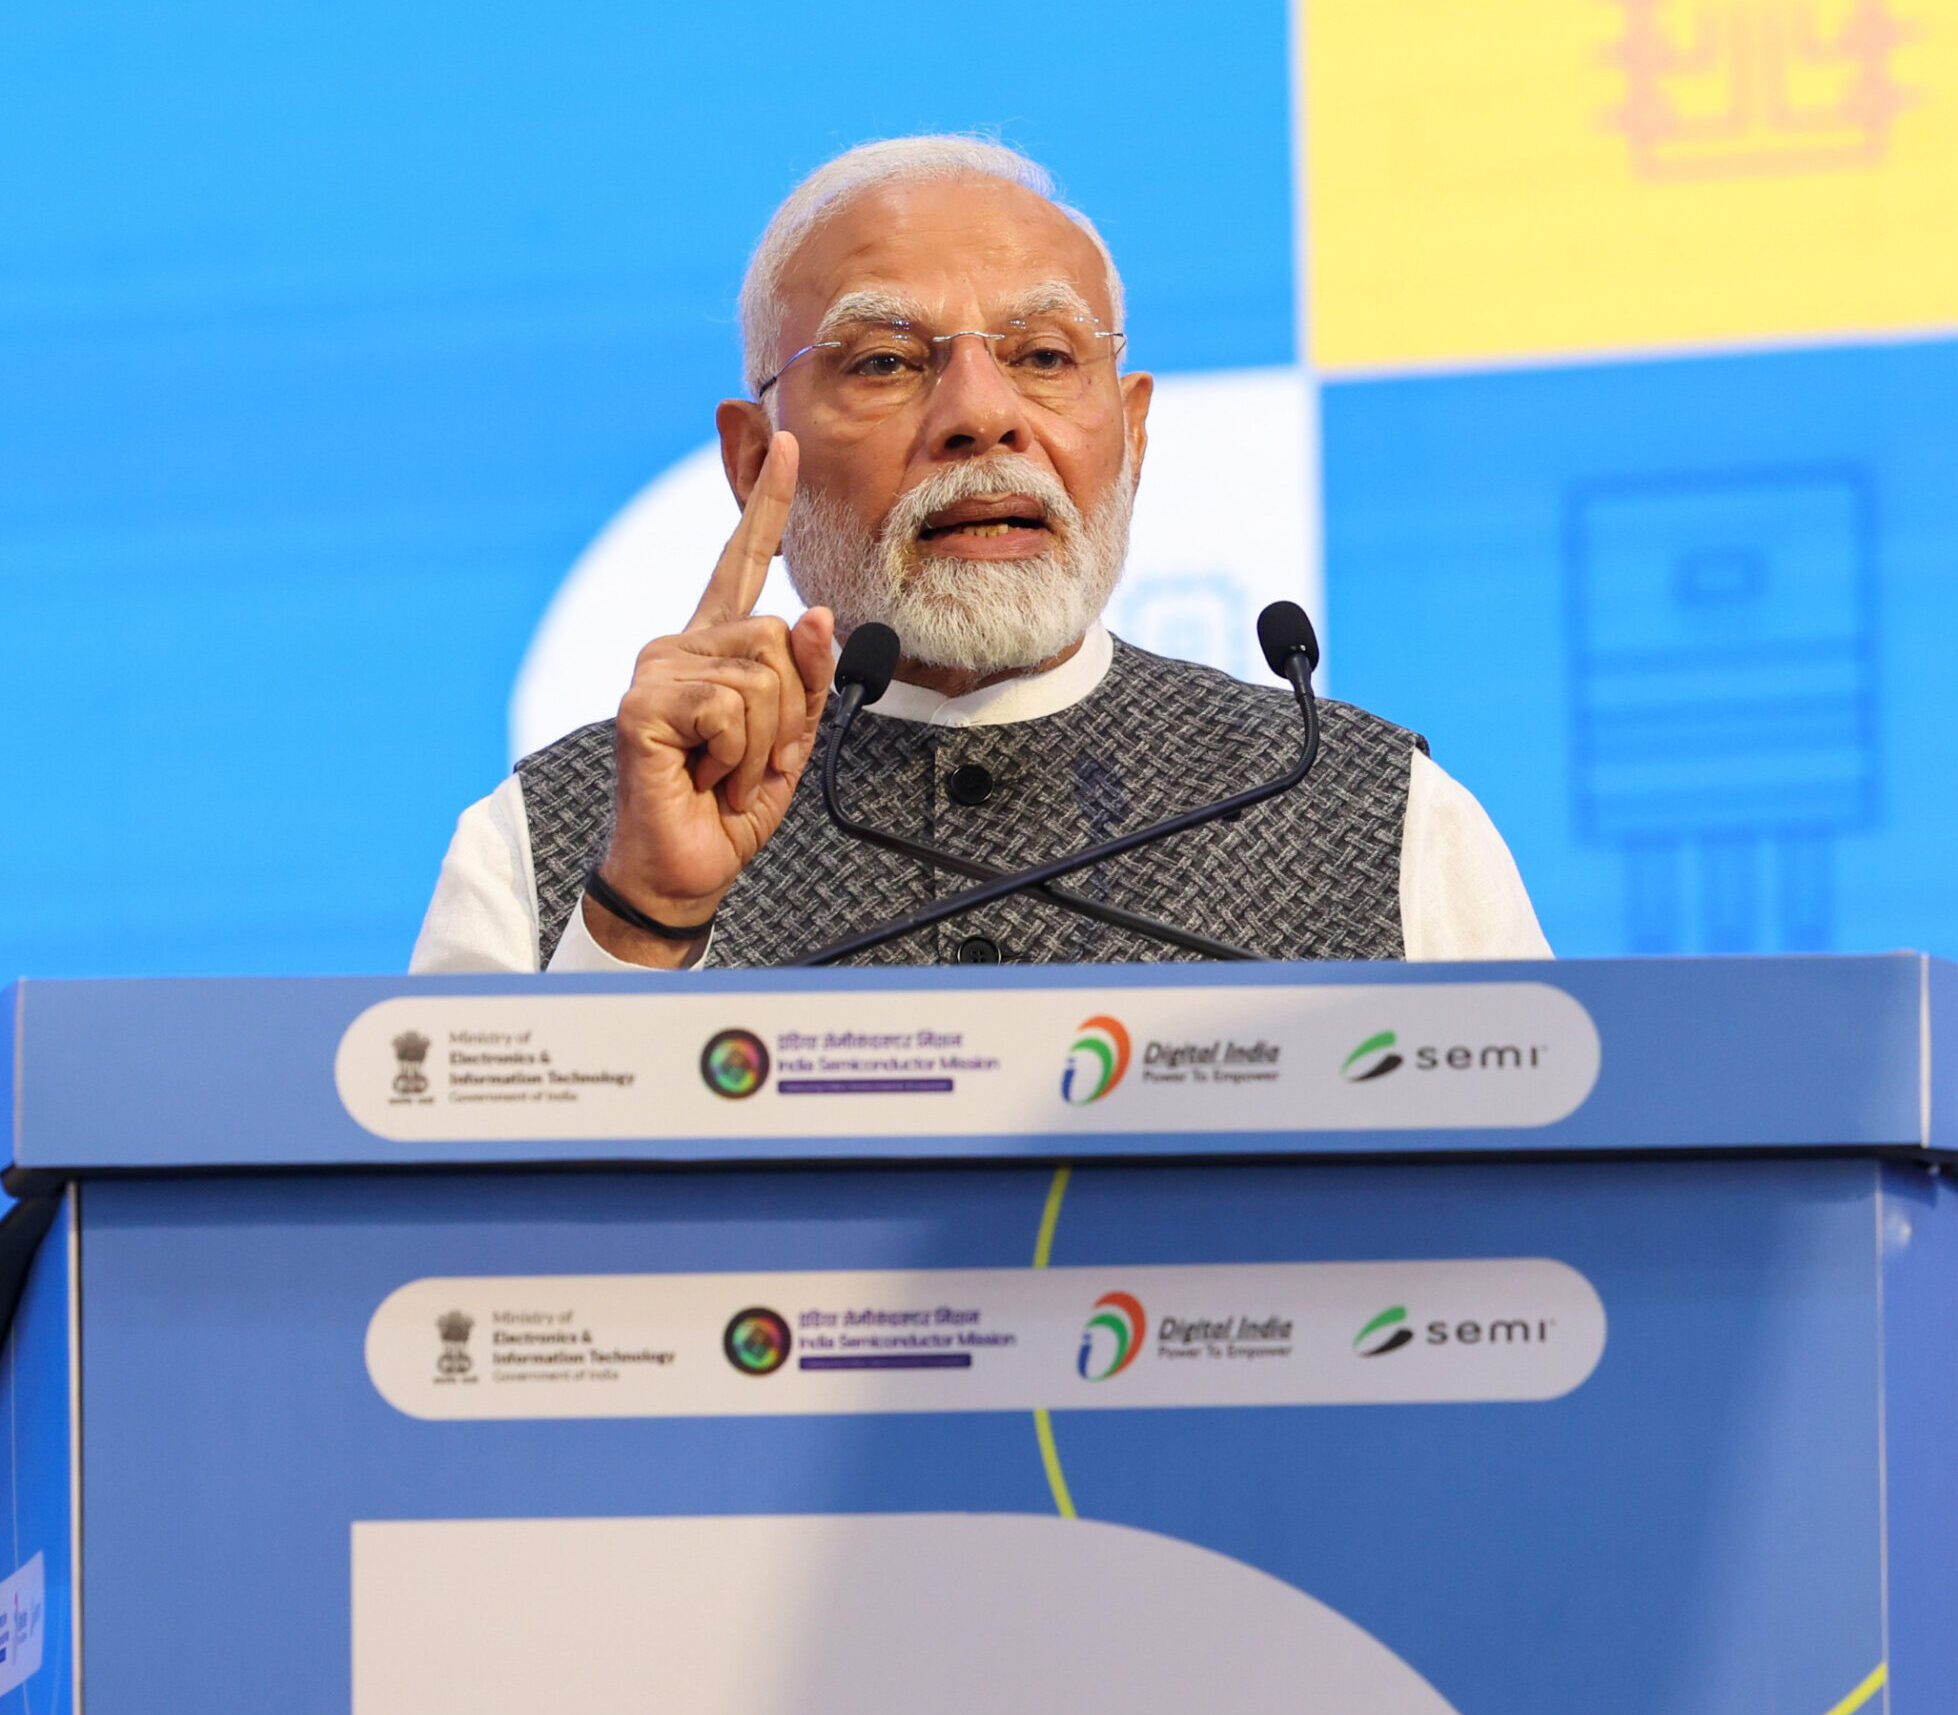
1119	335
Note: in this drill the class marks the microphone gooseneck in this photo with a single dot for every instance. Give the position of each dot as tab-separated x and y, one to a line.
1290	649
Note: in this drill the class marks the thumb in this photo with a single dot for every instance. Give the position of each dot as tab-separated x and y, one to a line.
812	643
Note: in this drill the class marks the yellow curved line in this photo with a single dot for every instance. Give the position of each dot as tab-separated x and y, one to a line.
1050	1461
1050	1217
1050	1453
1043	1425
1878	1679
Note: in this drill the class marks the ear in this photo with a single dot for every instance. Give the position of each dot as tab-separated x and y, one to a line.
745	434
1138	388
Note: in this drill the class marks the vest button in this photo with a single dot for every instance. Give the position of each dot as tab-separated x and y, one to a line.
969	784
978	950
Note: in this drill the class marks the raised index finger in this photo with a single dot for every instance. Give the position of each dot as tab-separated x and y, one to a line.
736	585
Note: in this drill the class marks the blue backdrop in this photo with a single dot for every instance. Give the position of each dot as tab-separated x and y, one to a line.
329	336
1685	626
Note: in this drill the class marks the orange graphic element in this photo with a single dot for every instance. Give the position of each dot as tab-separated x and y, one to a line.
1756	86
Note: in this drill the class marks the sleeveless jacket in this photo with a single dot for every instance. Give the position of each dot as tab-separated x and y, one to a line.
1311	874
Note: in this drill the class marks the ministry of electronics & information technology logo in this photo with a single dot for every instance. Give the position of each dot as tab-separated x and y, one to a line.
410	1060
454	1327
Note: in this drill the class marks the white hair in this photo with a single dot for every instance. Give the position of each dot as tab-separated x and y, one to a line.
900	160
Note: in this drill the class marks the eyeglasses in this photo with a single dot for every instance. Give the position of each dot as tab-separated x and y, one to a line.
874	367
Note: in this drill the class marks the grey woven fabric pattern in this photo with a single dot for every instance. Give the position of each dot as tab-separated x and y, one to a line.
1314	874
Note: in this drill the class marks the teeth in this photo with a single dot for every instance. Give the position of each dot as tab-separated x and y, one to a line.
998	529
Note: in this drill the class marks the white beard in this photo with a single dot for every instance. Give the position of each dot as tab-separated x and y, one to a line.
975	616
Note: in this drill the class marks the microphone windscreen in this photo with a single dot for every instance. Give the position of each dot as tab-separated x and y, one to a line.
1283	631
869	659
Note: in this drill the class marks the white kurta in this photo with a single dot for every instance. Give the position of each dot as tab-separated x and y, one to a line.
1460	894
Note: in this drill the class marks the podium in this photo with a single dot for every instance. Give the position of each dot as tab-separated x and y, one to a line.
1319	1338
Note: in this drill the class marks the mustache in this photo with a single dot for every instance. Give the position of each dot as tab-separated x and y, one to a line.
981	479
980	615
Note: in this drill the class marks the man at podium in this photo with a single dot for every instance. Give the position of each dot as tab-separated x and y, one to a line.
941	438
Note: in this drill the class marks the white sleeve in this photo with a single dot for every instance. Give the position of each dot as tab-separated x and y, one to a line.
1461	897
578	951
484	913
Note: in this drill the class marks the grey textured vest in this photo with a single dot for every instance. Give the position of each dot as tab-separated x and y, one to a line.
1314	874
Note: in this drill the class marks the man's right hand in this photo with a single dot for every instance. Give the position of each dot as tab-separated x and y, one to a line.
713	736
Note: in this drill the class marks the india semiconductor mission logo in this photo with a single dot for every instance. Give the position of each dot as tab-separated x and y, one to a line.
734	1063
1112	1338
756	1341
1096	1063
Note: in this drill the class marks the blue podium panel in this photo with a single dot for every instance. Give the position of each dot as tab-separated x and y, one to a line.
38	1669
1030	1062
1122	1402
1413	1438
1920	1276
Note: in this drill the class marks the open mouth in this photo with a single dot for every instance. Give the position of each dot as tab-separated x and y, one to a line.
994	527
998	515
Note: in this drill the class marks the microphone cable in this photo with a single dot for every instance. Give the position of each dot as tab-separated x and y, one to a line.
1291	651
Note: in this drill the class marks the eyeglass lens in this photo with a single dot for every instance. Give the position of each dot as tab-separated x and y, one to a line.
870	367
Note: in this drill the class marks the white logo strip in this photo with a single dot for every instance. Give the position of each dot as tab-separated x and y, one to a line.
1026	1062
1089	1339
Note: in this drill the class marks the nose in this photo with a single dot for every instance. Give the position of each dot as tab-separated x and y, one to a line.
974	409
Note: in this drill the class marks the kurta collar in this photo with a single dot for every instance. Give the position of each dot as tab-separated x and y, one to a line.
1023	699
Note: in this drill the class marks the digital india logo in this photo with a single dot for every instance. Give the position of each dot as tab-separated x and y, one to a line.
734	1063
1097	1062
1112	1338
1374	1058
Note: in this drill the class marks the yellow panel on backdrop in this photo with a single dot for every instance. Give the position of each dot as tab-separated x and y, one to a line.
1492	179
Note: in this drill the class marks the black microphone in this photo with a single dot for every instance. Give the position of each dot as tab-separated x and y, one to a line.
863	674
864	669
1290	649
1283	632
